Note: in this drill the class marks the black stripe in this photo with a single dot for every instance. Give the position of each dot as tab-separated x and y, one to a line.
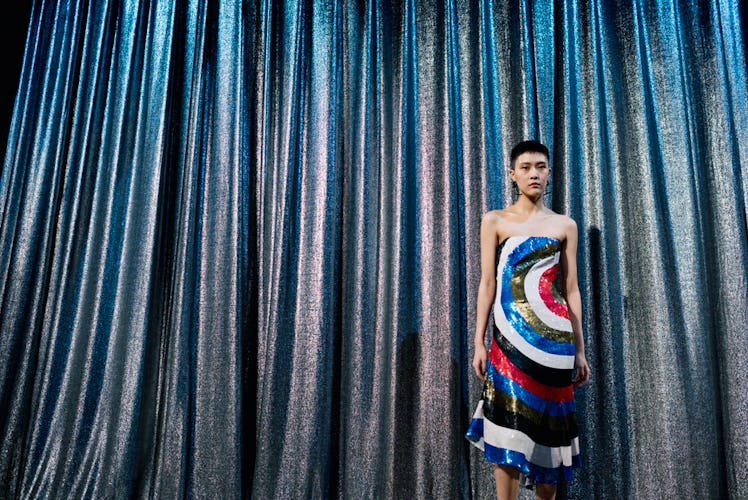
539	433
554	377
497	398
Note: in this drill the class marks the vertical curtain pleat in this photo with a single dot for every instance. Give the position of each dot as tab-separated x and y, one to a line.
239	242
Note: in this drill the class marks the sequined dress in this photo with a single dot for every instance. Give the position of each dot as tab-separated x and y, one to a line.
526	416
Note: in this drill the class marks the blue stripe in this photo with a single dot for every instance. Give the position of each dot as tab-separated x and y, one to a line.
535	472
509	307
475	431
517	459
512	388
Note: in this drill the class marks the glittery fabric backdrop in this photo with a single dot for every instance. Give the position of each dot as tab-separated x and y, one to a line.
239	243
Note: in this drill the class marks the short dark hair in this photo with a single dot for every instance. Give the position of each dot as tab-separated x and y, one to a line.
528	147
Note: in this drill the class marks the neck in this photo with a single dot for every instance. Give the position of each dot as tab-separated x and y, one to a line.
529	205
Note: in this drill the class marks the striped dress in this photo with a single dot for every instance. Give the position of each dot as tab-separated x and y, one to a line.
526	416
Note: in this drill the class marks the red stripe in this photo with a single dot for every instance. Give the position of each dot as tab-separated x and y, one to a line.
546	280
504	366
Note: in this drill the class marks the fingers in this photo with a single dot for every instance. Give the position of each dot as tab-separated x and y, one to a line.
582	377
479	371
479	365
479	362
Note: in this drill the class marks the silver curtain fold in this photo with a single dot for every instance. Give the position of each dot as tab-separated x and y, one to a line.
239	242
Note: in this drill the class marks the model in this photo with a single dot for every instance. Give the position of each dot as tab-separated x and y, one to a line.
525	422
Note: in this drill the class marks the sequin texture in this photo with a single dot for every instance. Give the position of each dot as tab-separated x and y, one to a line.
526	416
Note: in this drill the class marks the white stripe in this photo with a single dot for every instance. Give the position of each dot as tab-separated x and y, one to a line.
532	292
511	439
561	361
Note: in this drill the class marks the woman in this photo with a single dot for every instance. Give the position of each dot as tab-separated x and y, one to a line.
525	421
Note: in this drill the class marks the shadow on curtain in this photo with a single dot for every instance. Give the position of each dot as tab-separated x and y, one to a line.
239	242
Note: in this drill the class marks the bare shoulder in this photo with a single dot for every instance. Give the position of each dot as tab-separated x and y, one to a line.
568	225
490	226
493	217
567	222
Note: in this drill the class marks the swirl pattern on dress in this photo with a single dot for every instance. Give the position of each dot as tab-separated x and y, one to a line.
526	416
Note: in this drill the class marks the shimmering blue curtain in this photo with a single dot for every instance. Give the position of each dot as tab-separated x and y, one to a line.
239	242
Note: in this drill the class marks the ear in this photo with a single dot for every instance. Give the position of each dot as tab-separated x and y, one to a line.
512	174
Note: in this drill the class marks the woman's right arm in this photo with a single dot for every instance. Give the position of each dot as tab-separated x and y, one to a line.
487	288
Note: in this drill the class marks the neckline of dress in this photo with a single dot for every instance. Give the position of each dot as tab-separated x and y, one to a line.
527	236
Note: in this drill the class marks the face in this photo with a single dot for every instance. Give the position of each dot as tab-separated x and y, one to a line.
531	173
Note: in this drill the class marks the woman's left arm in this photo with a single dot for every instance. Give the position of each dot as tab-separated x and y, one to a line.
574	301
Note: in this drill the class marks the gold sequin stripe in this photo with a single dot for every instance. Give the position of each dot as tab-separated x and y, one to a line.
556	292
517	285
506	410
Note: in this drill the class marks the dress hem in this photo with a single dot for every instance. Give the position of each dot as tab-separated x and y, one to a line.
530	473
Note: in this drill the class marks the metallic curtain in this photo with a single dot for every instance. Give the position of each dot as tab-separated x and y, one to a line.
239	242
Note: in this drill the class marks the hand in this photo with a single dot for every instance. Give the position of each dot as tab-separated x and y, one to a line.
479	361
583	370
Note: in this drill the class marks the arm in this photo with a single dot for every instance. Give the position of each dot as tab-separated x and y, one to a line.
486	290
574	301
